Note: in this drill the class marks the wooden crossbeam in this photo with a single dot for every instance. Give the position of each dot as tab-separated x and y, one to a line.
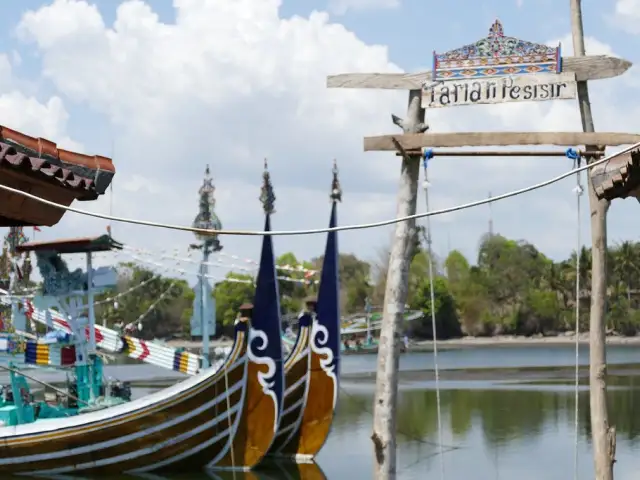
416	141
593	67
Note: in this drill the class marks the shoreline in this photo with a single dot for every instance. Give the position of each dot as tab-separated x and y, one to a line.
465	342
522	341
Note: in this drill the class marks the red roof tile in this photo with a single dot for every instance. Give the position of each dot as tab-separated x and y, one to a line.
43	147
11	158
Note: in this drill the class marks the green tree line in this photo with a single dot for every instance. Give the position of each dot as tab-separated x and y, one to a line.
510	288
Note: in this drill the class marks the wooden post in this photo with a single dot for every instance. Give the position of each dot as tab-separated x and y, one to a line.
385	403
410	142
603	436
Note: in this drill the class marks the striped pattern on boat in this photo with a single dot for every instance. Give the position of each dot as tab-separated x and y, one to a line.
295	395
109	340
194	424
52	354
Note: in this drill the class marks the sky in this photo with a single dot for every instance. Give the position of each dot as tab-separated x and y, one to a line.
167	87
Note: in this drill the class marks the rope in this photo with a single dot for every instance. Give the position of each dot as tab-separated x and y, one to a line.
151	307
428	154
129	290
43	383
362	226
578	191
177	259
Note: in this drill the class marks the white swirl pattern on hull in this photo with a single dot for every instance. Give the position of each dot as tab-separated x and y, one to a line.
263	377
319	340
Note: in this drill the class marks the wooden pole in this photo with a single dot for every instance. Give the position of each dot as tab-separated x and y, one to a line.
385	403
603	436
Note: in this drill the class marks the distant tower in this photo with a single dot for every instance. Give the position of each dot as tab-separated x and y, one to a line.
207	218
203	321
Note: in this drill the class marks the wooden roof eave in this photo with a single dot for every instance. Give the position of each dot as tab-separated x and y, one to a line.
619	177
103	243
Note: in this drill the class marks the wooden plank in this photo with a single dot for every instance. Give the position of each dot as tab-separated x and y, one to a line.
593	67
520	88
494	139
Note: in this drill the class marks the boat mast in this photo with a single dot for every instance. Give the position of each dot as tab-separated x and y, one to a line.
367	309
207	219
16	237
90	301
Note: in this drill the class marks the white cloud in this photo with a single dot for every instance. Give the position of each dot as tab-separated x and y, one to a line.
340	7
27	113
231	82
592	46
627	15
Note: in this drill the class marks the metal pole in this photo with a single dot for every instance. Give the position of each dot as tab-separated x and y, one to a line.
90	301
13	243
92	328
368	312
204	318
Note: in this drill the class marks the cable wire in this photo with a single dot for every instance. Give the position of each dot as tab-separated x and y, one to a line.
578	191
362	226
434	329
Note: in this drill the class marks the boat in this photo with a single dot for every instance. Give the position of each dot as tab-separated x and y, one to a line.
312	367
76	354
354	328
111	341
222	418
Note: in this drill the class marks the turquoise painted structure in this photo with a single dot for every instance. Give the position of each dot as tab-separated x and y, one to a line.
66	290
203	321
17	406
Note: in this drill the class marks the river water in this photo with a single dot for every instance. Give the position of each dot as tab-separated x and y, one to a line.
507	412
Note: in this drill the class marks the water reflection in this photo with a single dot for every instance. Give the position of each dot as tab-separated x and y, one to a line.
274	470
496	433
522	426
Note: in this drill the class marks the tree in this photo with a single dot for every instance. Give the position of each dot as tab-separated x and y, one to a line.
161	319
447	321
625	266
230	294
355	280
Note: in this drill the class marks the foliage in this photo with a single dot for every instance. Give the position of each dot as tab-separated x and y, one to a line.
168	317
511	289
230	295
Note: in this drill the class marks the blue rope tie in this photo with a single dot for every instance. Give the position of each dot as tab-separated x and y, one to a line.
426	156
573	154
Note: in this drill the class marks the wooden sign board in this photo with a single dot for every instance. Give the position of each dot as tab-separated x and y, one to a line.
497	69
496	55
521	88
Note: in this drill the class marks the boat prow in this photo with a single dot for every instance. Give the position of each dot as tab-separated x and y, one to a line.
221	419
191	425
312	368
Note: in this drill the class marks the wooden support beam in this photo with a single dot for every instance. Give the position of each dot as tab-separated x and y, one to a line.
505	153
618	178
593	67
413	142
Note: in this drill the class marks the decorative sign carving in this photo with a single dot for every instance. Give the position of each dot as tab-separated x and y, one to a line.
501	90
498	69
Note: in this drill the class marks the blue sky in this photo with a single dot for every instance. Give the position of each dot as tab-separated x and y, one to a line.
167	89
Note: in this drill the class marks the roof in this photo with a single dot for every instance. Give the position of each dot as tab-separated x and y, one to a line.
619	177
38	167
43	158
103	243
